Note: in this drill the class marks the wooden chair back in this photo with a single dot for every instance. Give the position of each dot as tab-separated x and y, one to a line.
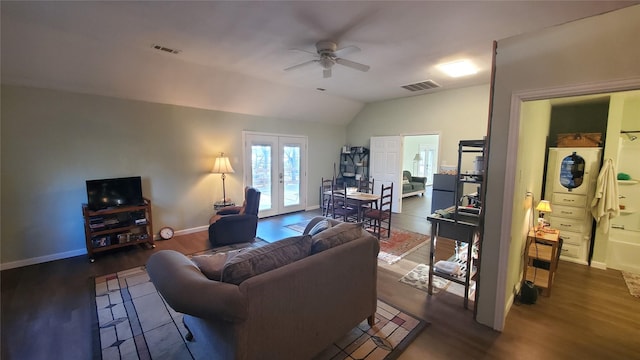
380	219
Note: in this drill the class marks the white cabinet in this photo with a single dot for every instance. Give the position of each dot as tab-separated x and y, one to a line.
570	186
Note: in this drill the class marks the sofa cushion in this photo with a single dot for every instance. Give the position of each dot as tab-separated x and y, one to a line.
320	227
336	235
211	264
265	258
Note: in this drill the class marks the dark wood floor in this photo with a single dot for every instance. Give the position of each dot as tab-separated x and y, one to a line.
47	309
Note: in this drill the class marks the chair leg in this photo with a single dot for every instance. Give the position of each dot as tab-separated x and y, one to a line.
371	320
377	227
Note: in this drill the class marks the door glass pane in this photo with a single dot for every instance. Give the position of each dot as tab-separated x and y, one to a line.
261	173
291	174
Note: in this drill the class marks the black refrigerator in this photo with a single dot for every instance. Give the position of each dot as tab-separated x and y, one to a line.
444	191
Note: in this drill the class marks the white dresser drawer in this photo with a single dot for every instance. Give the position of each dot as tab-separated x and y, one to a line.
564	224
571	251
573	238
569	212
568	200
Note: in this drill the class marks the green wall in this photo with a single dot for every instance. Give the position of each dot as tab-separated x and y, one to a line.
52	141
589	117
459	114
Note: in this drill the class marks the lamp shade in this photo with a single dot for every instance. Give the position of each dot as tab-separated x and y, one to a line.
222	165
544	206
417	157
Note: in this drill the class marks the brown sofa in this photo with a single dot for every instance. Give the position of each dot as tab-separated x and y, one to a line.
291	312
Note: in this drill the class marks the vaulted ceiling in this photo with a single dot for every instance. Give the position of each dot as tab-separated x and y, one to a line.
231	55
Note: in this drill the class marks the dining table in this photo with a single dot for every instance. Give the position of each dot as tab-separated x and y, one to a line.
359	199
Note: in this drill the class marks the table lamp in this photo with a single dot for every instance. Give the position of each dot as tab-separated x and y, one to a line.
543	207
222	166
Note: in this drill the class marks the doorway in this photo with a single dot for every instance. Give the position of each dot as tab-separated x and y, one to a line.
276	165
390	155
420	155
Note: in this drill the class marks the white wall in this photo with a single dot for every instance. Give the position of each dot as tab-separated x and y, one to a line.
589	51
52	141
459	114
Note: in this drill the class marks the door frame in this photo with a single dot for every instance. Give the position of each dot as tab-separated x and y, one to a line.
246	179
501	307
438	148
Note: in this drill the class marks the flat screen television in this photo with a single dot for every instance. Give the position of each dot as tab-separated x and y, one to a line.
110	193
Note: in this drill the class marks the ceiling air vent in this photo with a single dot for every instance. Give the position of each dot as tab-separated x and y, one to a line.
165	49
424	85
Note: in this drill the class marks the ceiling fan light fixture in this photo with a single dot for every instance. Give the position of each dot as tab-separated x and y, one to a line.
326	62
458	68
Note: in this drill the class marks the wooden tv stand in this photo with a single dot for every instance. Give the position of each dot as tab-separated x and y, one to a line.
118	227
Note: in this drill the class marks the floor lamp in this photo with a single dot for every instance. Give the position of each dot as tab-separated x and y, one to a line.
222	166
416	162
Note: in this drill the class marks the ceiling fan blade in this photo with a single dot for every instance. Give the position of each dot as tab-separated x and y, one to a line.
346	50
301	65
353	64
305	51
326	73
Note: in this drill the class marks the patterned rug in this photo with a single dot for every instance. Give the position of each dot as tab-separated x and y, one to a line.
419	279
401	242
299	227
633	283
136	323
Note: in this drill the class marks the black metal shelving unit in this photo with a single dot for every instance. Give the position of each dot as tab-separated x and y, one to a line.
463	226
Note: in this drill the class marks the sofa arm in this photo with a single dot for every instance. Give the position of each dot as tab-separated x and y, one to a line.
316	220
187	290
419	179
229	210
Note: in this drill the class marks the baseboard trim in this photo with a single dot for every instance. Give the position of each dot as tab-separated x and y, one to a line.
599	265
42	259
78	252
184	231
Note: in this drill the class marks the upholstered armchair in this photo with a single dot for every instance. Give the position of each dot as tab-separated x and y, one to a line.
236	224
412	185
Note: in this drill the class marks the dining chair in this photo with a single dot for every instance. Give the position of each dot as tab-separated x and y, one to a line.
325	195
340	207
366	186
380	219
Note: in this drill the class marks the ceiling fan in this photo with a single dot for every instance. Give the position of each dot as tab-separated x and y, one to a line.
328	55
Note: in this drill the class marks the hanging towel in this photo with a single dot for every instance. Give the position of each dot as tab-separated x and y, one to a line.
605	202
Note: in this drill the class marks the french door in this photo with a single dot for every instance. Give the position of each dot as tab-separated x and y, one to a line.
276	166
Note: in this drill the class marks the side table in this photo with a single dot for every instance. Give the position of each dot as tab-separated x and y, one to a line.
543	247
220	204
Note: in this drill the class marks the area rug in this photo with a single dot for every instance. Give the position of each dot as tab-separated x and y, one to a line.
299	227
392	249
633	283
136	323
400	244
419	279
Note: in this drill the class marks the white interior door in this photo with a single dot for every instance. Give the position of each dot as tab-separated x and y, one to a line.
386	166
276	166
